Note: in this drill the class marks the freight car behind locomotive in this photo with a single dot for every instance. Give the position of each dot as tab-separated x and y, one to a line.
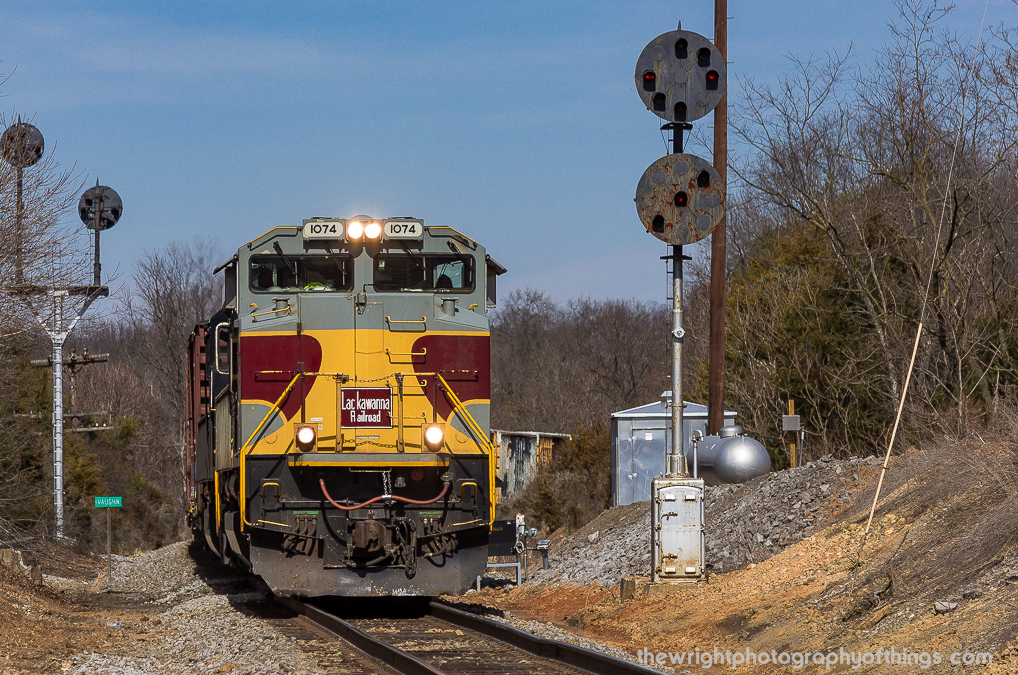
337	438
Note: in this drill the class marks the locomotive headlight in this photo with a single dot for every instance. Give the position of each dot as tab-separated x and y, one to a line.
373	230
305	438
434	434
354	229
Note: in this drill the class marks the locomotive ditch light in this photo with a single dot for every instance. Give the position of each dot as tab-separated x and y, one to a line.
354	230
373	230
434	435
305	436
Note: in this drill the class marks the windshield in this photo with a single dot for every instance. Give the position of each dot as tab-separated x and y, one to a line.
292	273
427	272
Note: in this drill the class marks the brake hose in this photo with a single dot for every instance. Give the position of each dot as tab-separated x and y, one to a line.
405	500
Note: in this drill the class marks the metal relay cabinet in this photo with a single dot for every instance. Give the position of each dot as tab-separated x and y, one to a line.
677	514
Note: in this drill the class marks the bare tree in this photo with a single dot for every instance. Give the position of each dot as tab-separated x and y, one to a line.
174	289
905	171
554	368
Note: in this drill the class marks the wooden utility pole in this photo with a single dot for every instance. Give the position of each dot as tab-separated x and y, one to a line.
716	362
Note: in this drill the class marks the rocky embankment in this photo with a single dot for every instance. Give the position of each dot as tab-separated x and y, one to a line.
746	524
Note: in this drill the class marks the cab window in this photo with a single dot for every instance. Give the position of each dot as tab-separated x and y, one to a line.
423	272
292	273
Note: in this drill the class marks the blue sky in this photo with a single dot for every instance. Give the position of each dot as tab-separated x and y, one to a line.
517	123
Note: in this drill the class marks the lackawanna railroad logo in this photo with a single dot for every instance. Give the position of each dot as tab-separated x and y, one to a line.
366	407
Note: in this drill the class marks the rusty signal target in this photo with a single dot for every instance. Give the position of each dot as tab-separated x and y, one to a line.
680	199
681	76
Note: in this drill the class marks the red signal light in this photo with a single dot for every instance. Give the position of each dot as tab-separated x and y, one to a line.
649	81
681	199
712	79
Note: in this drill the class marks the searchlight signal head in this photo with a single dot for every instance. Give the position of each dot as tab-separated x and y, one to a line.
21	145
100	207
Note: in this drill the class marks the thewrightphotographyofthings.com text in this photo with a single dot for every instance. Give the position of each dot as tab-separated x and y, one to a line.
715	658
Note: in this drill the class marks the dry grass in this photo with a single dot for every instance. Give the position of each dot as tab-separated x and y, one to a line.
955	507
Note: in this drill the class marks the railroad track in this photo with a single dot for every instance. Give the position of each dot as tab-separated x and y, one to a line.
441	640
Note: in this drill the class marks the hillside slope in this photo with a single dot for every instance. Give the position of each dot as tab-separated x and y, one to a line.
946	530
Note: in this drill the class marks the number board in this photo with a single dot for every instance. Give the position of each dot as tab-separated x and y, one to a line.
108	502
323	229
404	229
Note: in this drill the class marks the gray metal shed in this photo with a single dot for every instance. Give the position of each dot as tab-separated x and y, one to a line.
520	456
640	440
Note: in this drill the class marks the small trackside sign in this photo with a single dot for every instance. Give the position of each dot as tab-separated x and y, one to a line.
323	229
108	502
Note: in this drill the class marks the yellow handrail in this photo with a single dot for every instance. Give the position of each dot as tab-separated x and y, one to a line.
273	311
273	409
265	485
423	352
485	443
216	487
424	320
467	418
247	445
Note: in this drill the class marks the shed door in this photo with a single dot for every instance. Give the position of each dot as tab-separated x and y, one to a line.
648	460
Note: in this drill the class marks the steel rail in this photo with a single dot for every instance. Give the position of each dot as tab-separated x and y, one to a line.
383	651
553	650
562	652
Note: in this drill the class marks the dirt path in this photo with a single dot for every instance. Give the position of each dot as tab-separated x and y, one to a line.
41	629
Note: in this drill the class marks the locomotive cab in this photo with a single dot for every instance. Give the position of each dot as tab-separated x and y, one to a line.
343	448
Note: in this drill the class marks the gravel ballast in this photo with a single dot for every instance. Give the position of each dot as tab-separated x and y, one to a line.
194	625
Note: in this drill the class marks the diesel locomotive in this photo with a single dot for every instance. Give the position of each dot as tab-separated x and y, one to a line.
337	438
